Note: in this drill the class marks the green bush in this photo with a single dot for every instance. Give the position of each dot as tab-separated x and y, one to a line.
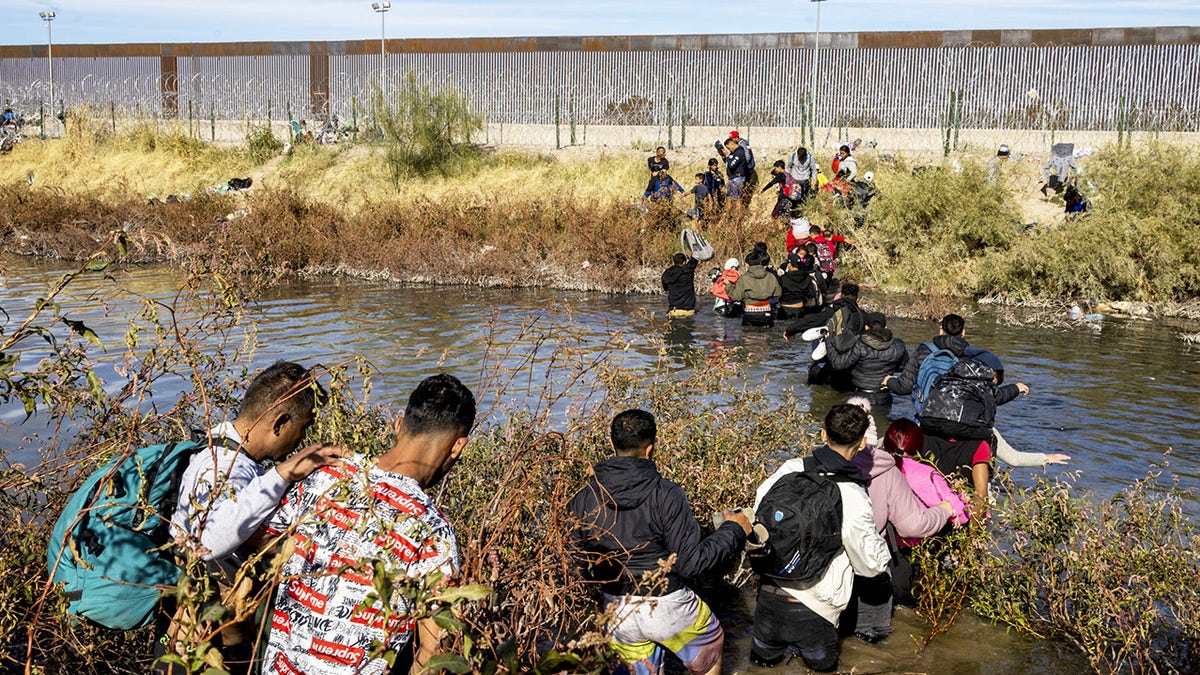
426	132
261	143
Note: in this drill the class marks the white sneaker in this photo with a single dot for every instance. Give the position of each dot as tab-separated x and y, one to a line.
812	334
819	352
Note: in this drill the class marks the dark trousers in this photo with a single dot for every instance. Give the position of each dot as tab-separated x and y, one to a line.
782	624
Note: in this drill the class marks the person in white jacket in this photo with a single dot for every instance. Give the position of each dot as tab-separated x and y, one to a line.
805	617
230	488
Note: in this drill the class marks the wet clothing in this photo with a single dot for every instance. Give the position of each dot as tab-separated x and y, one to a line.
783	623
644	628
756	284
840	316
806	617
719	288
679	281
632	517
962	403
799	288
876	354
904	384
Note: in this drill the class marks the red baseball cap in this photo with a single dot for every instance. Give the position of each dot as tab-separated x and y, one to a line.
734	134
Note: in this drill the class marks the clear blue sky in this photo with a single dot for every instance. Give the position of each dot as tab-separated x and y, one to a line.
245	20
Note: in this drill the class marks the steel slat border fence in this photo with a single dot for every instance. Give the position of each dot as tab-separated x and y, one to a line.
1070	86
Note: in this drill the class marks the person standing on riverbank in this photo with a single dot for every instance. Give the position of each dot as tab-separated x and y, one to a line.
367	517
679	281
228	491
631	521
804	617
715	183
737	167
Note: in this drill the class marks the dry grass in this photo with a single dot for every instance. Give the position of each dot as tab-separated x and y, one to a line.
570	220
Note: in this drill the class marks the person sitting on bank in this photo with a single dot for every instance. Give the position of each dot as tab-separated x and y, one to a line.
662	187
1076	205
679	281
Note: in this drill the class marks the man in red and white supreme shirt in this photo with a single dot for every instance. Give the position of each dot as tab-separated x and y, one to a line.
351	521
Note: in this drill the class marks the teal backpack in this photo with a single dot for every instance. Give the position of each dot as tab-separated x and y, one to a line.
108	548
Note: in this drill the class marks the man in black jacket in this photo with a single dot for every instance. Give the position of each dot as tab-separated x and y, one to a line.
631	523
679	281
877	353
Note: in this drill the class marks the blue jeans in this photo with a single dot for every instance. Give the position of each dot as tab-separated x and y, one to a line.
782	624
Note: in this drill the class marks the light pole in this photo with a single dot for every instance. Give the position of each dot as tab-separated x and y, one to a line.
812	99
48	17
381	9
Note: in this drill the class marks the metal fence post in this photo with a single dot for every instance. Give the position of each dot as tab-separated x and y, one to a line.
571	114
683	123
557	131
670	127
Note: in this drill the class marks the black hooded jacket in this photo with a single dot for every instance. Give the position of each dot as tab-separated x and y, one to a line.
679	281
877	353
630	518
908	379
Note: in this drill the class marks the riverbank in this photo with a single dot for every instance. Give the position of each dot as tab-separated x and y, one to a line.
570	219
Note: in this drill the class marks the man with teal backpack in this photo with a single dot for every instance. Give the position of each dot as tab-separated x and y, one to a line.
929	361
112	546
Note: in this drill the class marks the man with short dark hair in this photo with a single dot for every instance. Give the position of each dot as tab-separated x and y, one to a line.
679	281
805	617
365	517
632	522
951	336
659	161
229	490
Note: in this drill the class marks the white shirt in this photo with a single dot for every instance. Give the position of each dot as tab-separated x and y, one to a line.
224	496
863	550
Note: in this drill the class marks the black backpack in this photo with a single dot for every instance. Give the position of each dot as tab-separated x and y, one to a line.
802	513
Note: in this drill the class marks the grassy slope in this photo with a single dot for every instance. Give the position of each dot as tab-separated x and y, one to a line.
567	221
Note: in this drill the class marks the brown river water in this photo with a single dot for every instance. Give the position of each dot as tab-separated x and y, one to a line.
1116	399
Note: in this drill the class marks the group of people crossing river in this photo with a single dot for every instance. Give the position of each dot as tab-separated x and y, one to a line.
888	492
829	534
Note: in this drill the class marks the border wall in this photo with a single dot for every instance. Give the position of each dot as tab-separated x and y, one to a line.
1145	79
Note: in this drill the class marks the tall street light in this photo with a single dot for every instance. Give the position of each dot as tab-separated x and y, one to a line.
48	17
812	100
381	9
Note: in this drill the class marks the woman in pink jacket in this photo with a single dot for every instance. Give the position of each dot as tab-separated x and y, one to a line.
892	501
905	440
